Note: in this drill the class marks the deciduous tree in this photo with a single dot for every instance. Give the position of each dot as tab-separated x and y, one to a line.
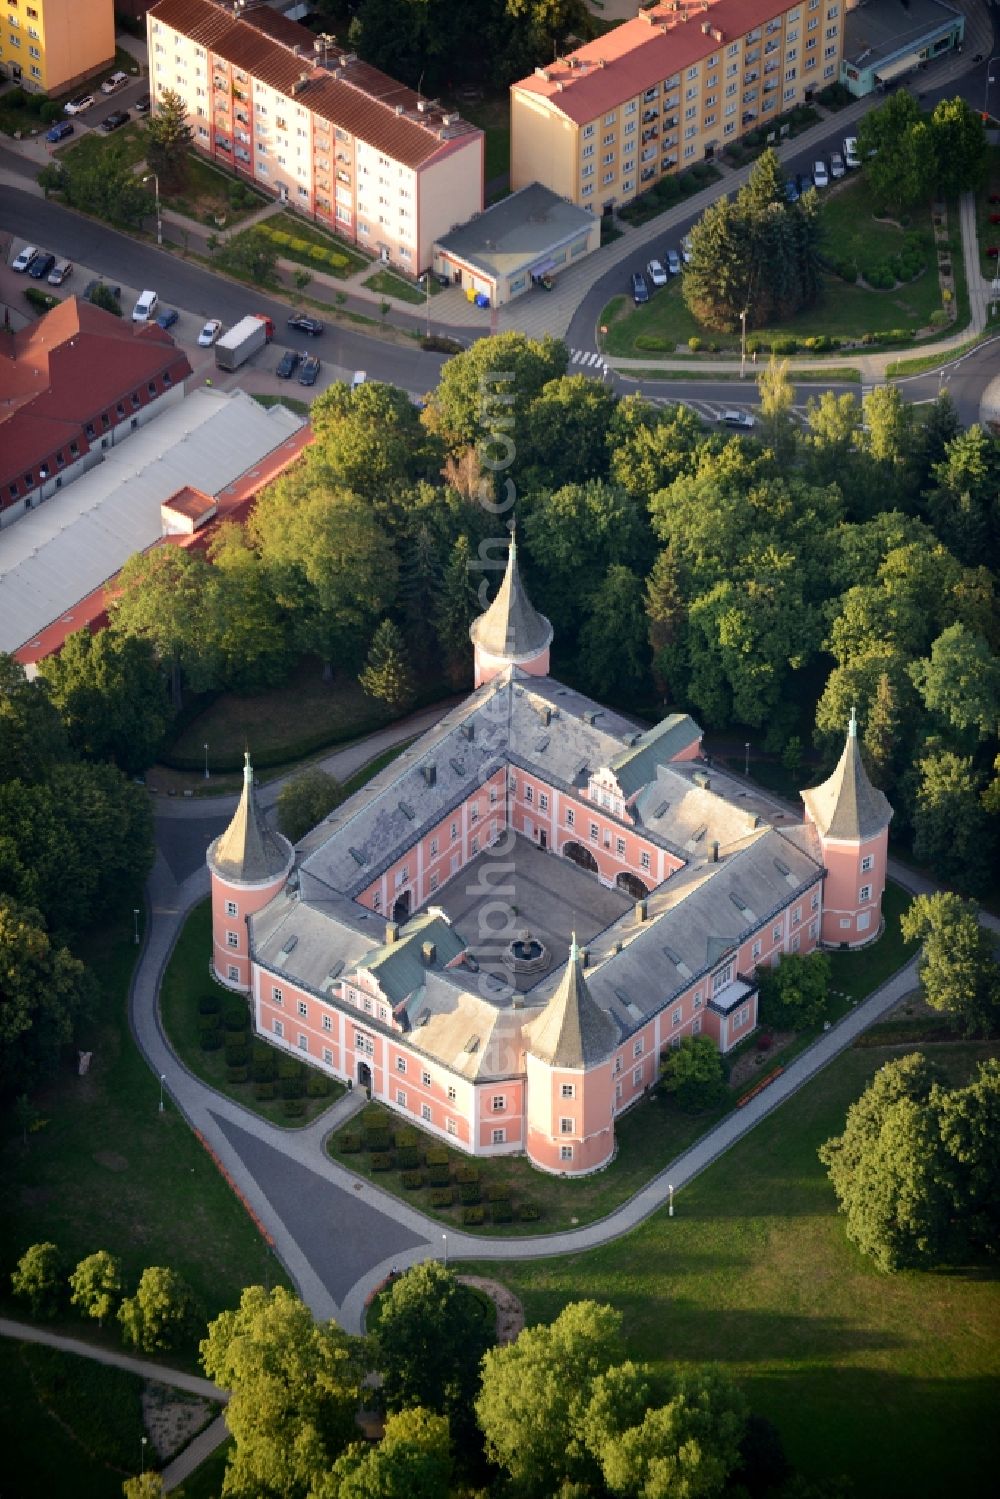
412	1461
305	800
45	993
692	1072
430	1341
96	1285
958	968
112	694
37	1279
164	598
961	151
613	658
960	684
796	993
161	1313
485	393
32	735
951	831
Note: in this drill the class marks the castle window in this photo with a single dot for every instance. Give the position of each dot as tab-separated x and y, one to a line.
434	848
644	859
566	1152
279	1028
637	1047
401	1098
776	932
233	972
637	1078
233	939
675	1018
231	908
425	1078
328	1056
277	996
303	1008
543	801
327	1023
722	978
867	863
529	793
570	817
620	847
454	831
865	893
569	1090
499	1101
593	832
814	902
696	1026
755	950
697	1000
864	921
566	1126
451	1095
303	1042
499	1136
451	1126
400	1064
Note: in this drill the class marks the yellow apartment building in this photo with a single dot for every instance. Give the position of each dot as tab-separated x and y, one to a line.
318	128
48	46
670	88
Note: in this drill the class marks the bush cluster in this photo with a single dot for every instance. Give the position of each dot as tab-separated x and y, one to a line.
42	301
652	343
304	249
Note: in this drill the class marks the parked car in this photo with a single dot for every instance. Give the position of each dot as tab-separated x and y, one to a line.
837	168
805	182
640	291
145	308
851	152
22	261
686	249
60	272
309	370
142	104
210	332
167	318
115	120
79	105
41	265
60	130
310	325
791	191
820	177
656	273
736	418
673	262
287	364
114	83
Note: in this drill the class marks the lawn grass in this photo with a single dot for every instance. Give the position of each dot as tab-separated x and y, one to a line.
185	982
389	285
301	408
206	195
987	233
288	223
91	149
493	118
67	1425
858	973
206	1480
107	1170
890	1380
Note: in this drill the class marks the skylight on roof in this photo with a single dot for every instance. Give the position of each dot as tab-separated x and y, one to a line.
739	903
661	809
541	745
781	868
457	765
472	1045
289	946
358	856
407	810
674	957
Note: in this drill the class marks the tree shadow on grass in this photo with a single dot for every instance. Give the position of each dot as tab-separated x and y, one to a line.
734	1335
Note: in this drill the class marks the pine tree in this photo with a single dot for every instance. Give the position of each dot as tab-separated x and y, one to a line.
666	613
387	675
420	578
881	736
457	607
170	138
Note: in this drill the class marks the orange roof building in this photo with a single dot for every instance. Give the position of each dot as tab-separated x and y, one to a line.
666	90
72	386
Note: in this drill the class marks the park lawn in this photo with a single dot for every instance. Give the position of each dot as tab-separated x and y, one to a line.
185	982
288	223
988	234
107	1170
301	408
891	1380
92	148
206	1480
858	973
205	195
67	1425
389	285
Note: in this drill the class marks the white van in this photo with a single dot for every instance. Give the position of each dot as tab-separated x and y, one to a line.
145	308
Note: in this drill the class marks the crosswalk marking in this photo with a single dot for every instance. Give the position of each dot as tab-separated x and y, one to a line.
588	358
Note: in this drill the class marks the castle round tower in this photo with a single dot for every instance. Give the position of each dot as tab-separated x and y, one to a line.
248	864
511	632
852	819
570	1086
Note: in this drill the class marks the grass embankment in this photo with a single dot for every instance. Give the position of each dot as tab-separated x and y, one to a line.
388	285
90	150
890	1380
301	408
287	223
67	1425
185	983
851	232
214	196
648	1137
108	1171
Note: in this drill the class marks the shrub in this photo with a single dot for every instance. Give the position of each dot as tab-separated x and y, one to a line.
338	261
438	1176
528	1212
263	1092
502	1212
236	1074
40	300
442	1197
939	318
210	1024
293	1087
349	1143
381	1161
288	1067
406	1136
466	1173
694	343
278	236
784	345
472	1216
437	1155
263	1072
237	1056
412	1180
293	1108
407	1156
237	1019
654	344
209	1004
469	1192
210	1040
300	246
498	1192
377	1139
947	296
317	1085
51	111
439	343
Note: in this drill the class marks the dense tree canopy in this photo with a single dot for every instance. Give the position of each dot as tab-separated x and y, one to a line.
958	965
44	994
112	695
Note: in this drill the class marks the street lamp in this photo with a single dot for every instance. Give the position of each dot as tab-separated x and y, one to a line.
206	760
143	1455
135	923
990	80
445	1238
746	759
156	190
743	342
426	278
670	1205
163	1078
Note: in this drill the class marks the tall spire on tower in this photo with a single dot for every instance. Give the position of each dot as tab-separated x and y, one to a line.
572	1030
248	852
512	631
847	805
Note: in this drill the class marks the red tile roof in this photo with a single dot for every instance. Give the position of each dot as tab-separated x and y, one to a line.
193	504
626	61
347	92
63	371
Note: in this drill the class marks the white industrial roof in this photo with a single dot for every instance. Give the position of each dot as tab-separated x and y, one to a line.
63	550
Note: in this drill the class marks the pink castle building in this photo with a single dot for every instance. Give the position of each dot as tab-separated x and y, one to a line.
502	933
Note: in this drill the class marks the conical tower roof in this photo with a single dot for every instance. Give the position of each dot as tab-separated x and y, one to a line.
512	627
847	805
572	1030
248	852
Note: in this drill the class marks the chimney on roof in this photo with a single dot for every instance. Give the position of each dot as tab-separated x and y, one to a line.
718	35
300	83
400	109
542	73
584	957
391	932
429	954
715	850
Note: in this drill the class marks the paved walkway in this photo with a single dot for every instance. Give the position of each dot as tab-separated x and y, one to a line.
145	1368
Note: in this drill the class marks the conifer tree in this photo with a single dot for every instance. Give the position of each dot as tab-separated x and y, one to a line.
170	138
881	736
387	675
457	607
666	614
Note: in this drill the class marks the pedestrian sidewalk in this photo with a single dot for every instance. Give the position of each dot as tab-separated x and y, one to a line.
24	1332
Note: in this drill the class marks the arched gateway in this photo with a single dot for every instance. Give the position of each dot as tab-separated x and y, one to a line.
580	855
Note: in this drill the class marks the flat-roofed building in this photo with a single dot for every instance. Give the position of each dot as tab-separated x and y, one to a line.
321	130
521	241
668	89
884	40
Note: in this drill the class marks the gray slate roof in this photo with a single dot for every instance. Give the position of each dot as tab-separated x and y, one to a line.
847	805
248	852
572	1030
519	232
512	627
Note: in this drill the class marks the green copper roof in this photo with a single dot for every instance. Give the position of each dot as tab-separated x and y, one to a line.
636	767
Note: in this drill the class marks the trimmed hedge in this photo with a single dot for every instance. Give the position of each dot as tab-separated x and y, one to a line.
263	1092
469	1192
412	1180
438	1176
211	1040
293	1087
209	1004
293	1108
436	1155
407	1156
502	1212
263	1072
652	343
498	1192
466	1173
471	1217
442	1197
235	1074
381	1161
349	1143
528	1212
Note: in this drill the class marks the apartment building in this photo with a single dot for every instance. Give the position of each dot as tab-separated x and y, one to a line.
47	46
321	130
668	89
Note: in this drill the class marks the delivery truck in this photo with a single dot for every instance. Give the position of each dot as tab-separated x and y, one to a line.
243	339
